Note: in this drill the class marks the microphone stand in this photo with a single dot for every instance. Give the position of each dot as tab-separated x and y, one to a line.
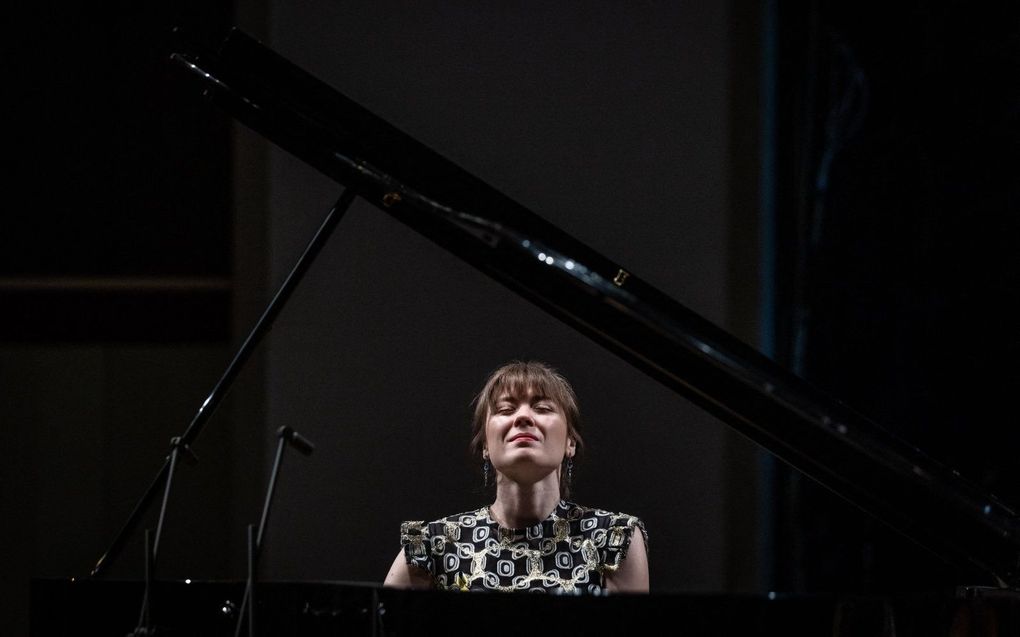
144	626
263	325
286	435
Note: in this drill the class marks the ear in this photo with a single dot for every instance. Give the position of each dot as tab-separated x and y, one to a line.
485	453
571	447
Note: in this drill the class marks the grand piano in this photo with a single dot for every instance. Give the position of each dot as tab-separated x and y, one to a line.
826	440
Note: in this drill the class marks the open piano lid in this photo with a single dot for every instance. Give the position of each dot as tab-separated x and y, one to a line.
816	434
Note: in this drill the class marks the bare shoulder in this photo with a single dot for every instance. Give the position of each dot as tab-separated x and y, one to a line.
404	575
632	575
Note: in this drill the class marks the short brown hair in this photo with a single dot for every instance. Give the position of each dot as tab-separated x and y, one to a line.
517	378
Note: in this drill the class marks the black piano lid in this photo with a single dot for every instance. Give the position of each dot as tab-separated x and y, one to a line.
818	435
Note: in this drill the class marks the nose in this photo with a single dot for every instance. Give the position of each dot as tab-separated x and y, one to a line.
524	416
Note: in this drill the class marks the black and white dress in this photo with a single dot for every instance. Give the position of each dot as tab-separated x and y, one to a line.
569	552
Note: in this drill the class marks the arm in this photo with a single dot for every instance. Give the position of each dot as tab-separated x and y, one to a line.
632	576
403	575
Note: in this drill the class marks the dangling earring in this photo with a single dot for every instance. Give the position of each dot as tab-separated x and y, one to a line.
570	471
486	472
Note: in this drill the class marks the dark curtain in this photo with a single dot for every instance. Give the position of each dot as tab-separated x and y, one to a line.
897	260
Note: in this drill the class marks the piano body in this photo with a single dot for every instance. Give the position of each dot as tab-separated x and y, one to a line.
826	440
209	609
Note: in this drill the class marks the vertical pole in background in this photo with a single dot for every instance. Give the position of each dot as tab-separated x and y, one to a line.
767	282
255	540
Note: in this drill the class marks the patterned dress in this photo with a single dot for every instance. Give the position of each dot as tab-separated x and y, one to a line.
568	553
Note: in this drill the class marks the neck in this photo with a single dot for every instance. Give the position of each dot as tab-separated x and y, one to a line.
518	506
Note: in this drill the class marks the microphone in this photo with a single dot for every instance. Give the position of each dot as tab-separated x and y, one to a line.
296	440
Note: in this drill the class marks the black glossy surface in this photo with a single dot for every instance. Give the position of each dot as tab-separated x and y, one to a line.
816	434
62	607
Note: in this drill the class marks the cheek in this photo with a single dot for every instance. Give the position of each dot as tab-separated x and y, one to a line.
559	430
492	432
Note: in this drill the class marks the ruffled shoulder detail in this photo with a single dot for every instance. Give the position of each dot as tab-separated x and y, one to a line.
610	532
422	540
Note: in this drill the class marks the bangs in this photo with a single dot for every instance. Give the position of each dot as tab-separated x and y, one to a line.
519	382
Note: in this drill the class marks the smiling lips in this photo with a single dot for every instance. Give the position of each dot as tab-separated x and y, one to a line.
524	438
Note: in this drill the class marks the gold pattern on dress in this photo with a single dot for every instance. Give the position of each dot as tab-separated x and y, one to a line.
616	536
411	535
561	529
592	557
452	531
534	564
589	553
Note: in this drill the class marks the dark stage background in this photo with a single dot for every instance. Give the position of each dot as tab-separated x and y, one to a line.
835	187
899	147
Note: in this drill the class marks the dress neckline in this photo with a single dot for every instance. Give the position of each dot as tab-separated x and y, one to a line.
558	512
